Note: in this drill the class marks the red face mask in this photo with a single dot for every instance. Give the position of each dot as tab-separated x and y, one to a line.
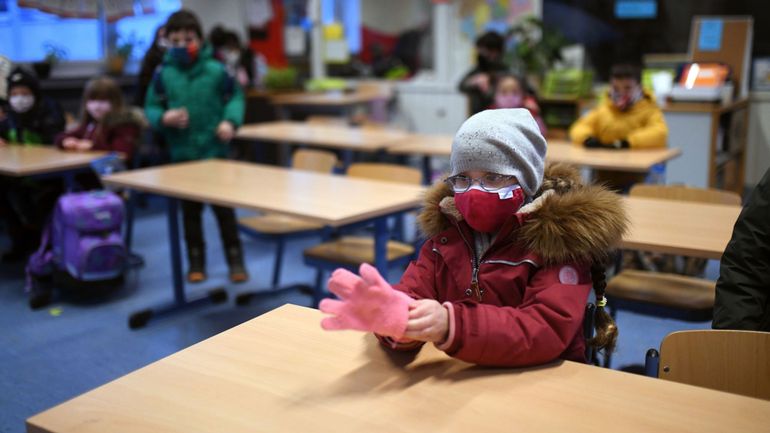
487	211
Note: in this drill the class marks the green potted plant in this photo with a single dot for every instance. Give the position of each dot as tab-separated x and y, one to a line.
536	48
124	47
53	55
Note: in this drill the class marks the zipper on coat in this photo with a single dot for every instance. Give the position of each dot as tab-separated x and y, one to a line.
475	283
475	288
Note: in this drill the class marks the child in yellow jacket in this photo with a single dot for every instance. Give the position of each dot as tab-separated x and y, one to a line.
629	118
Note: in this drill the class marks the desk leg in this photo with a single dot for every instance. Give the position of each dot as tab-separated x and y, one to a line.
381	235
426	170
69	181
172	214
181	300
347	159
134	260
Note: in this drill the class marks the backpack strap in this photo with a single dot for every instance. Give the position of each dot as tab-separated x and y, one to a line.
228	86
159	87
41	261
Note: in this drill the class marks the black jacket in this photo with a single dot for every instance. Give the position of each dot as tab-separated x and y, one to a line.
45	119
478	100
743	288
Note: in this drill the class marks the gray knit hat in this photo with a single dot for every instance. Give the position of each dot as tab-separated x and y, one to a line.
504	141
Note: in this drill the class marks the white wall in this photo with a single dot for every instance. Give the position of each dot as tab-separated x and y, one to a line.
394	16
229	13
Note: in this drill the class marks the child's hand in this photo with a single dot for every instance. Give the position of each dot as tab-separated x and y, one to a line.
84	145
481	81
3	143
428	321
367	303
225	131
176	118
70	143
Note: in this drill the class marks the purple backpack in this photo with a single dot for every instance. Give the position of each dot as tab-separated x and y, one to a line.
83	238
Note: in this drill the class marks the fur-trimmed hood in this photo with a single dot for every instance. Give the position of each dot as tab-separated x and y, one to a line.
566	222
128	115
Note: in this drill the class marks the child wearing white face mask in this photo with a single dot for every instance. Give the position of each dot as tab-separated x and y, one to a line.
105	124
31	118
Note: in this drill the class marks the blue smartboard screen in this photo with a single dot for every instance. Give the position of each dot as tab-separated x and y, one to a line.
636	9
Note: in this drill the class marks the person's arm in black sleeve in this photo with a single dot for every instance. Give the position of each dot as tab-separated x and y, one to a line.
52	122
743	288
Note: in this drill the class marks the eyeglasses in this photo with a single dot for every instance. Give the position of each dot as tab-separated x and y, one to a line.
490	182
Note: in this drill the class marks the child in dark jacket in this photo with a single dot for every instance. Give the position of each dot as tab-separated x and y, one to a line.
512	252
105	124
189	103
31	119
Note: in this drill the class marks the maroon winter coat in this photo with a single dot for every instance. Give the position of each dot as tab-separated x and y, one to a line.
120	133
525	305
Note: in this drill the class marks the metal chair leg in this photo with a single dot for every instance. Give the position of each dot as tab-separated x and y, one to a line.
278	261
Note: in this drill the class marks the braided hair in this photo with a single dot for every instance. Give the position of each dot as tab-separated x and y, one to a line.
606	331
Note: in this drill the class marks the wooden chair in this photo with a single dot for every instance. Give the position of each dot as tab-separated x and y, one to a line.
279	228
350	251
664	294
724	360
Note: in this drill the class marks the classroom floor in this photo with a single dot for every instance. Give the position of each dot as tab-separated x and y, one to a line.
72	346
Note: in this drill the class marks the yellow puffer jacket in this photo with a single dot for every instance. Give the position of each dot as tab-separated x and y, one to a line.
642	125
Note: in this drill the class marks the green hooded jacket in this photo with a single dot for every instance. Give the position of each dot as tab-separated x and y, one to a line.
200	88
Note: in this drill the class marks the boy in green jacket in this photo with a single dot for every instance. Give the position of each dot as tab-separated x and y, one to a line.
196	106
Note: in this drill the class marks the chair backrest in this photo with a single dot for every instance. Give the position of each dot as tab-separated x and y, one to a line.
725	360
322	161
685	193
385	171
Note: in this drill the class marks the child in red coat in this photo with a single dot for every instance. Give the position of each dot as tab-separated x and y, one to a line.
105	124
510	92
512	252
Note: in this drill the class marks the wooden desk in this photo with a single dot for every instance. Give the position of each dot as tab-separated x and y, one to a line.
309	195
325	99
684	228
328	199
330	136
344	138
558	151
638	161
344	101
20	161
281	373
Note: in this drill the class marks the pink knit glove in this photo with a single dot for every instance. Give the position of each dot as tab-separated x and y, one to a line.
367	303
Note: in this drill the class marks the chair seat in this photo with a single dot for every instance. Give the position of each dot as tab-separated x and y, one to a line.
669	290
277	224
354	250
